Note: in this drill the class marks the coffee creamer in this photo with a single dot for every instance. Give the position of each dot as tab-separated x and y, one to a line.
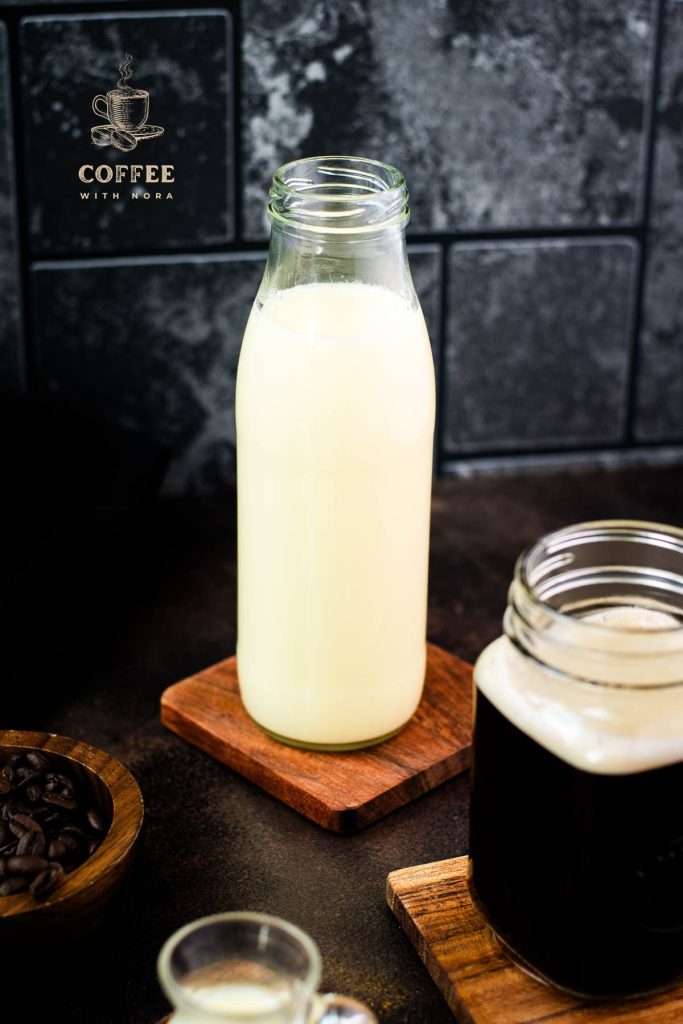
335	420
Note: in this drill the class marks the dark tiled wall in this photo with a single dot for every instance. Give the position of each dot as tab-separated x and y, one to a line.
11	342
503	113
542	144
659	410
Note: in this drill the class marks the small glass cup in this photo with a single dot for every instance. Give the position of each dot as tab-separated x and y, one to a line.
240	968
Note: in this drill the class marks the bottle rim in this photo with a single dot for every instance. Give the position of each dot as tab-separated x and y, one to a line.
560	566
338	194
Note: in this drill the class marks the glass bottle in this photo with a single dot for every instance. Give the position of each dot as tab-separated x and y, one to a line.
335	420
241	968
576	839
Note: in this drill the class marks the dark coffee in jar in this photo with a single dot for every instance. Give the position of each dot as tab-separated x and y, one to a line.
594	860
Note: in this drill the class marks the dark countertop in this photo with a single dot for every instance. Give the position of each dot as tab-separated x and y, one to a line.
213	841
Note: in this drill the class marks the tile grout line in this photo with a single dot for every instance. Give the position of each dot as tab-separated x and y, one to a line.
21	202
242	245
16	310
665	455
237	173
638	314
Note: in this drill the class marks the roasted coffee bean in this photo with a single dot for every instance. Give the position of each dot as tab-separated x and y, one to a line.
61	780
34	792
66	803
37	761
13	885
56	850
5	785
28	778
95	821
28	864
18	829
32	842
75	831
21	823
68	841
43	884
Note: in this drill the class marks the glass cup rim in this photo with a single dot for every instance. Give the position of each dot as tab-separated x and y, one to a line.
178	994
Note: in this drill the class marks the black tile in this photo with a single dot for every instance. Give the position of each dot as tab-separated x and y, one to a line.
659	402
184	60
153	345
11	354
538	337
501	112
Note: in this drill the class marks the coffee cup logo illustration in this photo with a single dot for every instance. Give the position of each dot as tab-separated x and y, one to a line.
126	112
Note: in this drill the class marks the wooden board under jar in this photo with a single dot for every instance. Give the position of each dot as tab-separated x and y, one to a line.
476	978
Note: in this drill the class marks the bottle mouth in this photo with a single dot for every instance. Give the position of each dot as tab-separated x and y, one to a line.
338	195
607	589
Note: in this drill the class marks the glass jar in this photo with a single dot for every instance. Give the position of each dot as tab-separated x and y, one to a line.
576	846
335	422
240	968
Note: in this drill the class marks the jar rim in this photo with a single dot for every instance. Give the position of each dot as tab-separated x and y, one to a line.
567	575
631	529
338	194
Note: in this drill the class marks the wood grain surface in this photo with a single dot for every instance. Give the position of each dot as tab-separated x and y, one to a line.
78	903
340	791
479	982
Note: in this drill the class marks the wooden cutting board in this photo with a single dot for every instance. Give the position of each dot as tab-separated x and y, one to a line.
478	981
340	791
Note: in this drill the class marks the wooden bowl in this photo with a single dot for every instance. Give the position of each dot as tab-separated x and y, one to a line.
79	901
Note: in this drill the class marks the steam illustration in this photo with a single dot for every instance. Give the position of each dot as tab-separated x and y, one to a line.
126	72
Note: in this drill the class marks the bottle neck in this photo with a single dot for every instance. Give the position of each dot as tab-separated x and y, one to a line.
338	220
298	258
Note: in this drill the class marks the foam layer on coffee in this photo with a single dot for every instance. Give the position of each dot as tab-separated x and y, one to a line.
608	729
